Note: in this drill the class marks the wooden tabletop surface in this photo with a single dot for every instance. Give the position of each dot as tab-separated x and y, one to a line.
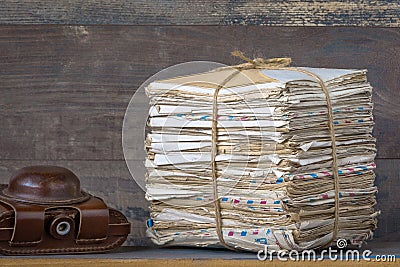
145	256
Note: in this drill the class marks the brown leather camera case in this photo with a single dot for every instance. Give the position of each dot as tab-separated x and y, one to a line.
44	211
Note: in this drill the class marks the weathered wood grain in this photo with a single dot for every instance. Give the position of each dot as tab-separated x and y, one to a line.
64	89
184	12
387	181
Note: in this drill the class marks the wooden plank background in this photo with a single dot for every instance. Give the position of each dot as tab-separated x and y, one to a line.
65	88
204	12
64	91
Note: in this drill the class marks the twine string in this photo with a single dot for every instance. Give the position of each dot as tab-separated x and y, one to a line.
272	64
214	152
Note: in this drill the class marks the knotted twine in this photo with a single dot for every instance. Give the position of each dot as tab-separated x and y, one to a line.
270	64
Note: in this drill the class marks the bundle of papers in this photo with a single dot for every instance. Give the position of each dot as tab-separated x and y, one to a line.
274	162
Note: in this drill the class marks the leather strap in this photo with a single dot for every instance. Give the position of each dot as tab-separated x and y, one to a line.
6	234
94	221
120	229
27	217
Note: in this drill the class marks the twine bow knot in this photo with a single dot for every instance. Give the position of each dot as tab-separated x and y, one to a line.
263	63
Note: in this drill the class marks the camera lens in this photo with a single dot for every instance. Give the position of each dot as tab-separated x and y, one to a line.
63	228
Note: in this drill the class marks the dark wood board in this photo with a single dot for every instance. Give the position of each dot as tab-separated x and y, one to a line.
112	181
186	12
64	89
387	178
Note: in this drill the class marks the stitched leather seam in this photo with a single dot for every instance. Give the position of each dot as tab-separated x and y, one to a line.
117	243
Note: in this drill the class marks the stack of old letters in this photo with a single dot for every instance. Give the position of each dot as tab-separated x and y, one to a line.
274	159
